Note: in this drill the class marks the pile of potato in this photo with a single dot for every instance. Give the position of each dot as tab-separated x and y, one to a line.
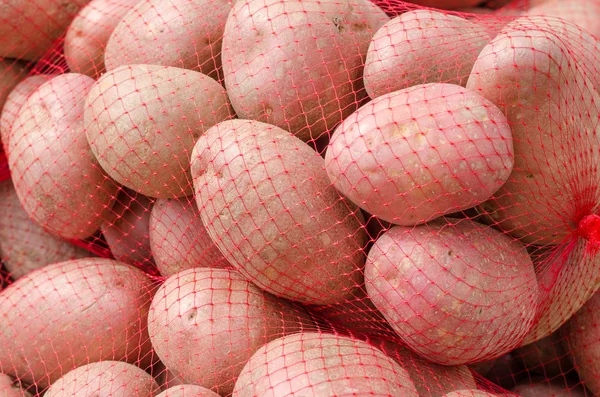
299	198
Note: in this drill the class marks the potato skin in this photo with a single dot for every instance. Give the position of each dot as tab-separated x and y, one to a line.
11	73
420	47
550	388
315	364
455	291
583	13
186	34
416	154
9	389
142	122
298	64
179	240
24	245
188	391
56	176
105	378
469	393
289	232
48	329
206	323
86	38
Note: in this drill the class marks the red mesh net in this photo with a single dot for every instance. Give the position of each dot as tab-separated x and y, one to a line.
299	198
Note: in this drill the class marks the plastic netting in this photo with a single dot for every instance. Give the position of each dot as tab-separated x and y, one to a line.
299	198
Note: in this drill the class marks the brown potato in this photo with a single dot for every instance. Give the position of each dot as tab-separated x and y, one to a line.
206	323
267	203
105	378
188	391
142	122
56	176
179	240
72	313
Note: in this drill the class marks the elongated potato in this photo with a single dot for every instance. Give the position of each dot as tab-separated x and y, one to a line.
298	64
206	323
105	378
86	38
456	292
419	47
416	154
56	176
142	122
24	245
319	364
181	33
72	313
8	388
268	205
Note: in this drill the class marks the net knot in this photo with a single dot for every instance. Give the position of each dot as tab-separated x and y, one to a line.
589	229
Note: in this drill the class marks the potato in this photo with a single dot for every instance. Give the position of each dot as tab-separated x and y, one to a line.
179	240
416	154
455	291
105	378
268	205
470	393
551	171
56	176
31	27
547	356
447	4
128	236
298	64
188	391
205	324
73	313
583	13
143	120
315	364
14	101
24	245
430	380
11	73
419	47
8	388
550	388
181	33
86	38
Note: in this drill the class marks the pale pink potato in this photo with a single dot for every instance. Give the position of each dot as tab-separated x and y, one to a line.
8	388
72	313
470	393
547	356
128	235
86	38
420	47
583	13
553	388
430	380
188	391
105	378
416	154
24	245
456	292
206	323
298	64
14	101
313	364
529	73
56	176
178	238
31	27
181	33
267	203
142	122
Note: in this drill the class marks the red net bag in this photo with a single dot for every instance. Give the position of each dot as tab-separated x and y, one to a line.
299	198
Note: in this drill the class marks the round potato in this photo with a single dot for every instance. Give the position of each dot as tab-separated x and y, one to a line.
206	323
86	38
58	180
268	205
419	47
583	13
181	33
128	236
105	378
188	391
456	292
179	240
31	27
24	245
142	122
73	313
470	393
8	388
416	154
298	64
317	364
